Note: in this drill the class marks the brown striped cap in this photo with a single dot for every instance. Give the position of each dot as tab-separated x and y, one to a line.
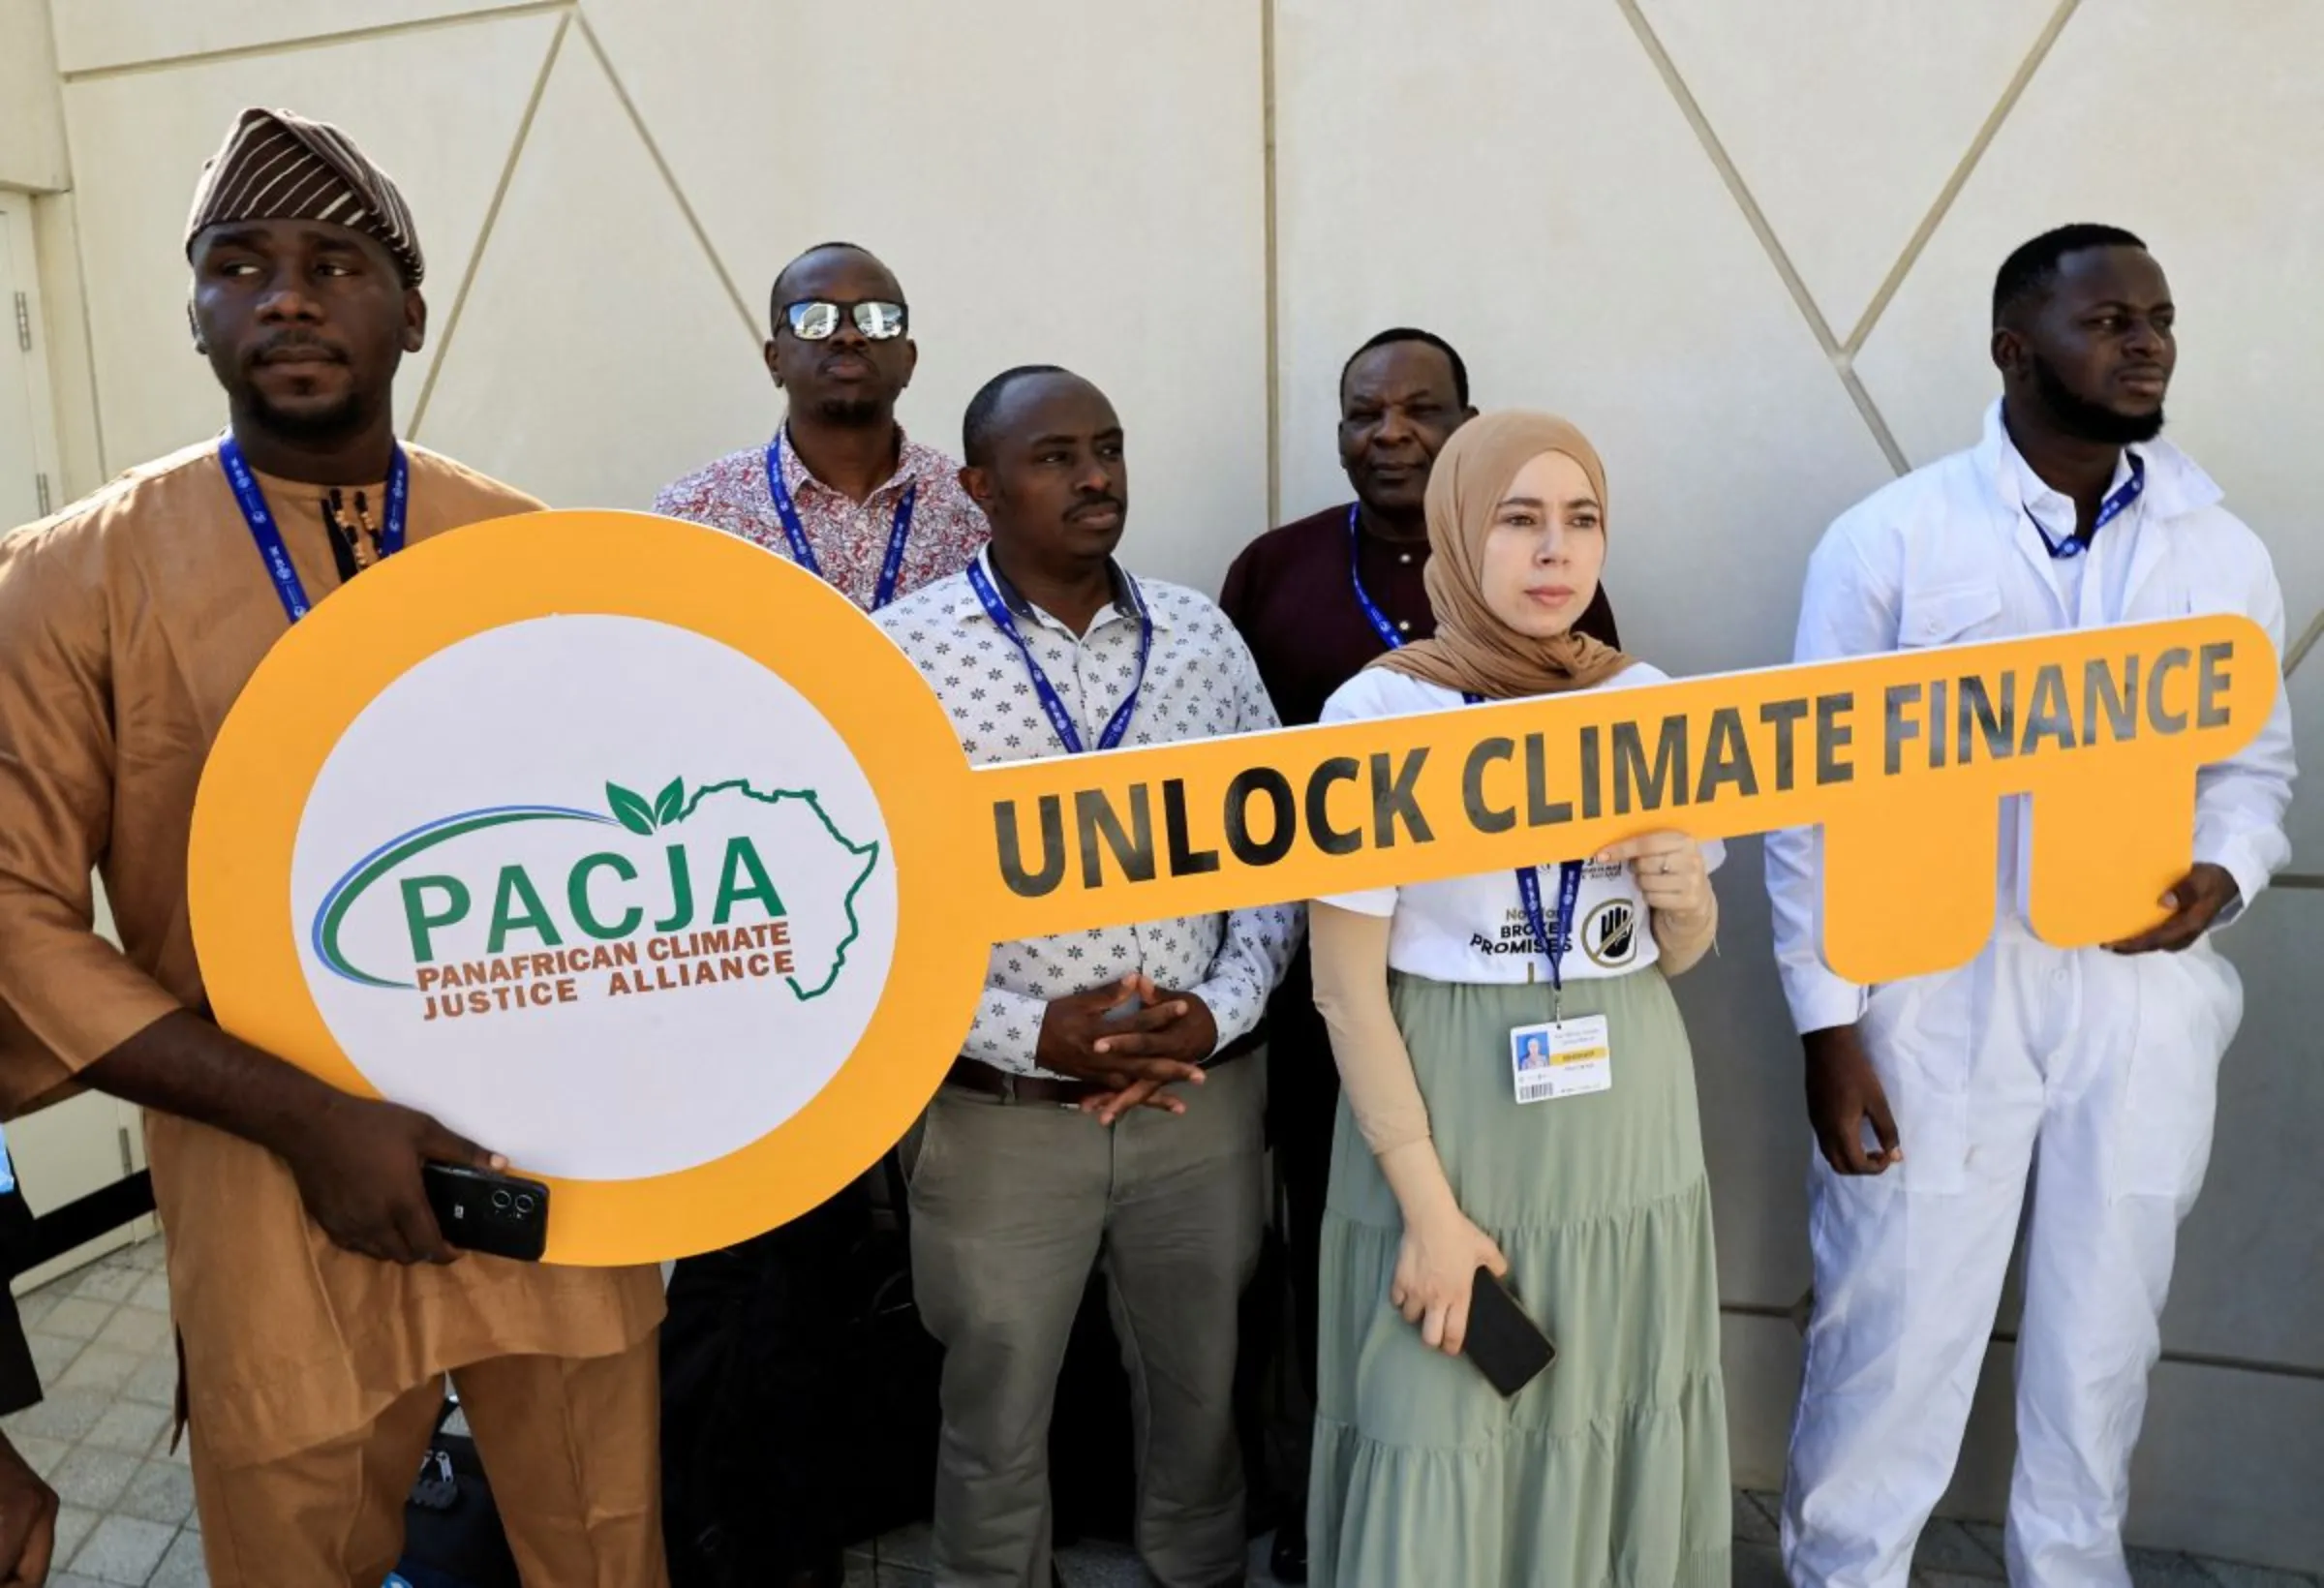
278	167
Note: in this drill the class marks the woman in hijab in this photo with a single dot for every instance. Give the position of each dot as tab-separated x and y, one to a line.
1580	1182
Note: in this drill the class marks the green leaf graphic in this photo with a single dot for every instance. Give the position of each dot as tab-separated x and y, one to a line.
633	812
669	803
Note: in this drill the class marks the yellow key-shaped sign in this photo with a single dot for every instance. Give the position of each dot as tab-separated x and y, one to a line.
643	857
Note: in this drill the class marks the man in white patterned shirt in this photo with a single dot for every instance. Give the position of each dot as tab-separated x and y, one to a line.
1103	1104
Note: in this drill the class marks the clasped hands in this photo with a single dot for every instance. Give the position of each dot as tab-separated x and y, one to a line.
1133	1038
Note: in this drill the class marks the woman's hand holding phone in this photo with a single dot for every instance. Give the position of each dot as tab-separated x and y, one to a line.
1436	1270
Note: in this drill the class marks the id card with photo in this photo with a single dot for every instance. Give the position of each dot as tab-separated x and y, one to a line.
1566	1059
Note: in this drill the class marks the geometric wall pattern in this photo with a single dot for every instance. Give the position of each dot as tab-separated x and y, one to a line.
1747	246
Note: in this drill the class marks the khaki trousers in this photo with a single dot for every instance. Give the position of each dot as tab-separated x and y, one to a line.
1012	1206
569	1443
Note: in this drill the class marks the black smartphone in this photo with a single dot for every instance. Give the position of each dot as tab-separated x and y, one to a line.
501	1215
1508	1347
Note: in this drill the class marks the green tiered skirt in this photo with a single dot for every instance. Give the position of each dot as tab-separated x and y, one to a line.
1609	1468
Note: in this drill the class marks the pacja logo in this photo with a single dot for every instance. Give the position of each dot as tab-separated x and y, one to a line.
625	905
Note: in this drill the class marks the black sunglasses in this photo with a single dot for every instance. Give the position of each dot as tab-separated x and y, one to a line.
814	320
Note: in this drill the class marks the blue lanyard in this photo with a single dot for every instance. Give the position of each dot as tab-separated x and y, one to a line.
898	532
269	536
1371	609
1555	944
1058	718
2111	508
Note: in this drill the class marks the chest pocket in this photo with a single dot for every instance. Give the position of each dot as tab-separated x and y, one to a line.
1950	614
2183	584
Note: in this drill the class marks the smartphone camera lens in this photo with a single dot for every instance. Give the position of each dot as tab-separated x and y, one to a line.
524	1203
500	1201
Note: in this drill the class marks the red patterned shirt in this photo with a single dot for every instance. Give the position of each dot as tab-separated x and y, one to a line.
849	538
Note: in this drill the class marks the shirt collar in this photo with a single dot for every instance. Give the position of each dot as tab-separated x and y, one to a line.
2045	501
910	465
1123	605
2175	483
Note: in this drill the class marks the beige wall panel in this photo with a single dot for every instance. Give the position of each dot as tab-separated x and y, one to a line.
72	382
1519	180
2250	1284
98	35
442	122
2307	824
32	121
1054	182
1747	1074
1760	1360
2232	1465
1846	120
2199	128
598	356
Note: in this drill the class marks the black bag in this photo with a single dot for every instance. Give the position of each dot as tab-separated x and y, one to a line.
452	1535
798	1391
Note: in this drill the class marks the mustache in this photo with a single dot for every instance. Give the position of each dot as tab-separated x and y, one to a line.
299	343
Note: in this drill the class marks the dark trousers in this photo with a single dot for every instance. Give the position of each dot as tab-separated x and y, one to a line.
1303	1101
19	1379
798	1397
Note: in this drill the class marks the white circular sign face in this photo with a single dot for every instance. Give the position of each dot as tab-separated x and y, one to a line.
626	919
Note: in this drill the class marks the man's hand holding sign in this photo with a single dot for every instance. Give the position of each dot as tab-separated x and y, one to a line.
886	851
2196	901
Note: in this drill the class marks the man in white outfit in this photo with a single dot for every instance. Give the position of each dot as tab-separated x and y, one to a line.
2098	1064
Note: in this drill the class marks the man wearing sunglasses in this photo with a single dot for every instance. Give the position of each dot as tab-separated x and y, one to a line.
839	489
762	1481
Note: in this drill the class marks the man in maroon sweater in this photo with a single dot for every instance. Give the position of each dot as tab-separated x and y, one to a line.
1315	601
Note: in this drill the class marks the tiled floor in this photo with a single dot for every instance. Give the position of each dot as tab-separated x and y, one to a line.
101	1339
1969	1555
1952	1555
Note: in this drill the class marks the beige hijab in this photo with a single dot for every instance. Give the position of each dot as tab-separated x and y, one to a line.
1474	651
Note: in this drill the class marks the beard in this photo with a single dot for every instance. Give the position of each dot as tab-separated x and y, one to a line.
2078	416
343	418
850	412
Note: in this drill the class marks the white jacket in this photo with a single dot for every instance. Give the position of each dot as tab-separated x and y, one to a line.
1949	555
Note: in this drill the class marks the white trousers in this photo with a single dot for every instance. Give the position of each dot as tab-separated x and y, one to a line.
2086	1083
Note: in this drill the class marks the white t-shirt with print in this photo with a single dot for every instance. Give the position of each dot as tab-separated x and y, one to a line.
1473	928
